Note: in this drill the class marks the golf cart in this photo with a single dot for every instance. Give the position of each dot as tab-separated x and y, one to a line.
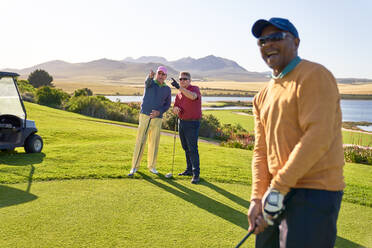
15	129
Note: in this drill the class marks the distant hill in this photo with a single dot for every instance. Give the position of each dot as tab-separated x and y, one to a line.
147	59
106	70
209	68
99	70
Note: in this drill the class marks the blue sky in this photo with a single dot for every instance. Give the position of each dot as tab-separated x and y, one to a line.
336	34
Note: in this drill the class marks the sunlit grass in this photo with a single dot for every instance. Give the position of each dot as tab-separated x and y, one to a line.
148	210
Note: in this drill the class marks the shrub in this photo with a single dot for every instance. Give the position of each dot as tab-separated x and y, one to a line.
101	107
356	154
209	126
169	120
39	78
51	97
24	86
242	141
82	92
28	97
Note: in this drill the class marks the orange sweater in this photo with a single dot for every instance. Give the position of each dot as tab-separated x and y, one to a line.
298	132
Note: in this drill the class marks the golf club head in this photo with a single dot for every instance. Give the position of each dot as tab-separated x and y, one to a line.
169	175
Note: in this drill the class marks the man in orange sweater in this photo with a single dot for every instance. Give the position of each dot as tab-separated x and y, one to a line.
297	167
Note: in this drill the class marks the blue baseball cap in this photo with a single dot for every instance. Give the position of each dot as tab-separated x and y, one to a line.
281	23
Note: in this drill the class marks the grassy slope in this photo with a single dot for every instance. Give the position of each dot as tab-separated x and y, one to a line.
79	147
122	212
233	117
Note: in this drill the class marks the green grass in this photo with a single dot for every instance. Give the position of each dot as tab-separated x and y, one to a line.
141	213
51	200
247	122
357	138
233	117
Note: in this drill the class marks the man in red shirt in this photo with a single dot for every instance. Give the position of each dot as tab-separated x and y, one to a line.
188	108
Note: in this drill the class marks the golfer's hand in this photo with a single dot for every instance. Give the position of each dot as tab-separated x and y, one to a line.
154	114
255	218
176	110
151	74
272	205
175	84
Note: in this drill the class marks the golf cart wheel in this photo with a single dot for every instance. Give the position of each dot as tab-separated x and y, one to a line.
33	144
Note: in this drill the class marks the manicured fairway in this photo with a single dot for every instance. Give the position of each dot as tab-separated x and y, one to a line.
233	117
76	192
141	213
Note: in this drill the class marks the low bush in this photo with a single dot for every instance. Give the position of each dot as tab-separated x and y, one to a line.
26	90
101	107
169	121
25	86
51	97
83	92
236	136
209	126
357	154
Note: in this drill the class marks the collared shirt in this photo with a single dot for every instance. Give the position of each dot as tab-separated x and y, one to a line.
158	83
294	62
190	109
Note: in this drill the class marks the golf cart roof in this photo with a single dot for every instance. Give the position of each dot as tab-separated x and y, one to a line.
8	74
10	100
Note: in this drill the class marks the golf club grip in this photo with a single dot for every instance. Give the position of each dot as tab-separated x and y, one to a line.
245	237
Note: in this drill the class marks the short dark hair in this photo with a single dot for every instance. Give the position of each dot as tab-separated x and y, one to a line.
185	73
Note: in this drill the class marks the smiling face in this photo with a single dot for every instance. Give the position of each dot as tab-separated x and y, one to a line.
161	76
185	79
278	53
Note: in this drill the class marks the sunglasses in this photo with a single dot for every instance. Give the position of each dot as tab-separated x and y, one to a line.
182	79
271	38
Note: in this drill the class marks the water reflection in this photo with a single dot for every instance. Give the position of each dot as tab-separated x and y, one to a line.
352	110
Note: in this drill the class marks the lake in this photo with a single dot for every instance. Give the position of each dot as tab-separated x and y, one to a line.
352	110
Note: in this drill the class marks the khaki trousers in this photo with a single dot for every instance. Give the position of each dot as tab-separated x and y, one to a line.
153	135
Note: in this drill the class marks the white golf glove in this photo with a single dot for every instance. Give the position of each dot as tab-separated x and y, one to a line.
272	205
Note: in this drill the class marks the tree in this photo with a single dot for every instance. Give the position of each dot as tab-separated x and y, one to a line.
40	78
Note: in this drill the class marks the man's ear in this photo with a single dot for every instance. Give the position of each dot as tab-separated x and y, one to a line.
297	42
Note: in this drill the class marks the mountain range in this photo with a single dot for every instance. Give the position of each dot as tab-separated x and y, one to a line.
206	68
130	70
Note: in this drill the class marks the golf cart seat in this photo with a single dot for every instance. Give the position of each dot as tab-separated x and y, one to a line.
10	121
10	127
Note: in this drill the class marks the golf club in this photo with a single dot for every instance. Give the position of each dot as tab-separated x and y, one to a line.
245	237
170	175
142	142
